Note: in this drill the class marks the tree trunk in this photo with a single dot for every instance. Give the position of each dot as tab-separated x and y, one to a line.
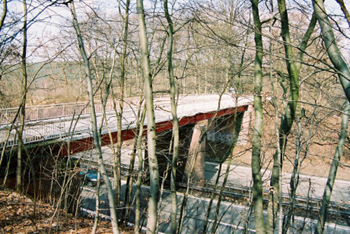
23	104
332	49
258	124
322	218
97	203
95	132
293	66
212	197
4	13
129	182
151	129
229	161
345	10
139	174
173	224
121	106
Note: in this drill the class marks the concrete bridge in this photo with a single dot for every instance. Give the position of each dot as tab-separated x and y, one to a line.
72	134
68	122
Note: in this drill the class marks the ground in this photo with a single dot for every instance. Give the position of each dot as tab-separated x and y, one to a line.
320	152
16	216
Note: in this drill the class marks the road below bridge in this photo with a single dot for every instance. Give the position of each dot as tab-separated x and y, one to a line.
232	215
233	218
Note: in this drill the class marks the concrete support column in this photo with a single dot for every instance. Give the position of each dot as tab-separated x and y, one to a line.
196	156
243	137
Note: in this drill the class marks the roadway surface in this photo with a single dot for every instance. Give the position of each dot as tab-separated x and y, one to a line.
309	186
232	216
240	177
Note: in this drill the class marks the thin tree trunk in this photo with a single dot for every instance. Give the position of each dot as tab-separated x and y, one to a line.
190	168
121	107
345	10
96	135
278	147
104	100
293	66
258	124
97	203
4	13
151	129
212	197
139	175
239	86
322	218
294	180
129	182
23	104
332	48
230	152
173	221
121	101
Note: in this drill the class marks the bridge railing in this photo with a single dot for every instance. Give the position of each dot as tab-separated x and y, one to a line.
43	122
41	112
38	131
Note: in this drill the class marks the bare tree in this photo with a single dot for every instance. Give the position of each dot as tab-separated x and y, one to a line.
344	76
333	170
23	103
332	48
119	113
293	63
151	128
175	150
138	139
96	135
258	124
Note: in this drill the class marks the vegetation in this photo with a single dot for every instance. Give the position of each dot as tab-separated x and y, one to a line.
118	57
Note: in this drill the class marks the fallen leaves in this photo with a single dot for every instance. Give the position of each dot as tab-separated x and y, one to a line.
16	216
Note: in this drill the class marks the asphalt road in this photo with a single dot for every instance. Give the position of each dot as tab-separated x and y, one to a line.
309	186
232	217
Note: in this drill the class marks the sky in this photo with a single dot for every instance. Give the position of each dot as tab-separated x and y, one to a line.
332	4
55	18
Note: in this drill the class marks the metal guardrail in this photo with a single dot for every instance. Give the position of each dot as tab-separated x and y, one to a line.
36	132
41	112
44	122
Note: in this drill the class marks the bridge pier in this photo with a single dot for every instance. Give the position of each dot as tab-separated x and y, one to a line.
243	137
196	156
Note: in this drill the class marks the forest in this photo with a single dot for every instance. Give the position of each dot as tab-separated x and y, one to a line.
95	58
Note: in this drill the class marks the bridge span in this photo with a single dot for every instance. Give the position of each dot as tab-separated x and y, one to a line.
76	127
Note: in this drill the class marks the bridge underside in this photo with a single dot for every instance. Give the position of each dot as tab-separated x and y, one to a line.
224	129
218	138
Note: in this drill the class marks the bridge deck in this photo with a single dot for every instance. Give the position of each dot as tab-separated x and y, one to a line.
190	109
